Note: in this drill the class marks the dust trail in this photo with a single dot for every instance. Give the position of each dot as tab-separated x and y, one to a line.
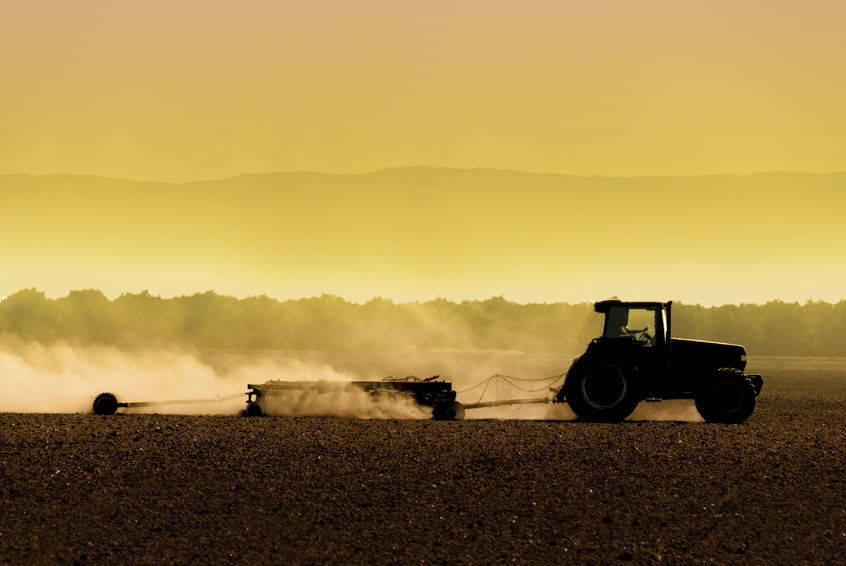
346	402
62	379
59	378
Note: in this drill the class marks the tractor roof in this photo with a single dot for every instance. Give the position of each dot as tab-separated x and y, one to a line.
603	306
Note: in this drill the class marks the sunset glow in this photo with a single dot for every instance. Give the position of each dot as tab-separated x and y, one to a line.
186	91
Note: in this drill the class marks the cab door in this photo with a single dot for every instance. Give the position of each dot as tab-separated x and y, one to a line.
647	325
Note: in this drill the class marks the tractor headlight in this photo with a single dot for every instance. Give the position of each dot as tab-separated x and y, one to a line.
742	357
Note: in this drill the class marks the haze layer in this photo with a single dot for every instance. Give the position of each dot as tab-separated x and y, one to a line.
196	89
421	233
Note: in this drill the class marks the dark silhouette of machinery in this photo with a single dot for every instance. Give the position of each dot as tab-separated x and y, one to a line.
429	392
637	359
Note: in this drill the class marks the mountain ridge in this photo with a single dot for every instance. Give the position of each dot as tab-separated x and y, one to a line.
419	169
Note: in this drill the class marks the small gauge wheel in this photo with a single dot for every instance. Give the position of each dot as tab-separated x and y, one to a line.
105	404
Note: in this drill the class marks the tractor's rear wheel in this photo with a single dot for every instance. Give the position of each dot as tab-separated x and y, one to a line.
728	397
601	391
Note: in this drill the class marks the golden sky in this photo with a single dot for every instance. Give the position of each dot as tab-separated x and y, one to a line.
200	89
188	90
418	233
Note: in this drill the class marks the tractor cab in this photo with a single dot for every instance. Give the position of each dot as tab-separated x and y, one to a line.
647	323
637	334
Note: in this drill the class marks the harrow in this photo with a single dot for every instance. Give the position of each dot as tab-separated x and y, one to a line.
431	392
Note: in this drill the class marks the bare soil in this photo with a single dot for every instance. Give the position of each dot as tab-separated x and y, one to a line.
80	488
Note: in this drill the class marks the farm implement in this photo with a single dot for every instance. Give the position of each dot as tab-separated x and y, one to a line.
265	398
429	392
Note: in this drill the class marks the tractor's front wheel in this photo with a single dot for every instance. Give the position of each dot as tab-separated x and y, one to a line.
601	391
728	397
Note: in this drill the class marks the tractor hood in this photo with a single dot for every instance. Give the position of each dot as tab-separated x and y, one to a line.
701	354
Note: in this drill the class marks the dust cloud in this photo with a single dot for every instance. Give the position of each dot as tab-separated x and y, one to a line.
63	379
346	402
58	378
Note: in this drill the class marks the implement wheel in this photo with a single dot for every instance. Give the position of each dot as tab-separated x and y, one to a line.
253	410
105	404
453	411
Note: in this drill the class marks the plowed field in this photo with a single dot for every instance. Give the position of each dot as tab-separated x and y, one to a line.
218	489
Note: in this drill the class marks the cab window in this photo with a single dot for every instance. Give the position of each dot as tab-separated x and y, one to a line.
642	325
635	323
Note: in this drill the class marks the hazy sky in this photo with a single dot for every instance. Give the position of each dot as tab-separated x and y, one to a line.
184	90
199	89
421	233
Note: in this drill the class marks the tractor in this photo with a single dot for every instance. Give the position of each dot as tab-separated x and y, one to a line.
637	359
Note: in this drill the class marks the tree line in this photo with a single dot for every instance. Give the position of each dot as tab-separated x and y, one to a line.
209	321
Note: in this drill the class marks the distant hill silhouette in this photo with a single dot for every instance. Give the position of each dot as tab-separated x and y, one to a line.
421	197
767	189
